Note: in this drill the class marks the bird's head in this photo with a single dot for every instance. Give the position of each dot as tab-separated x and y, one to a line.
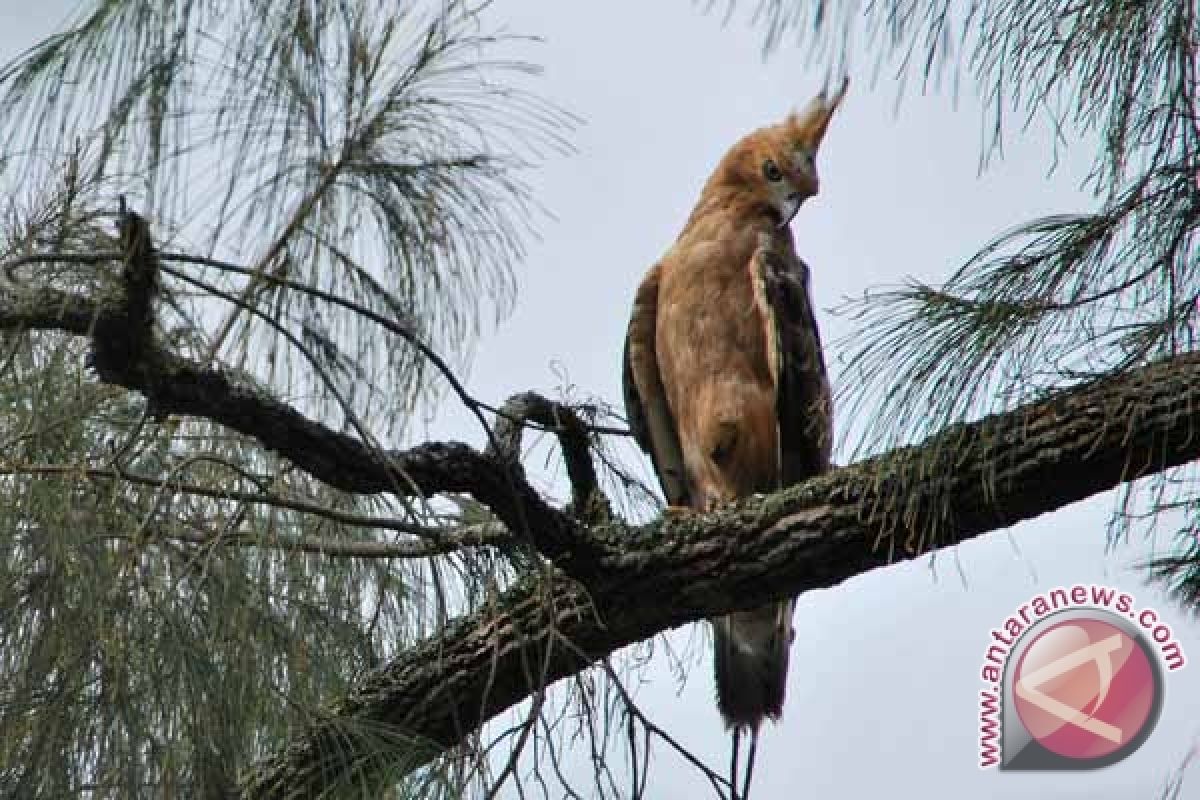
779	164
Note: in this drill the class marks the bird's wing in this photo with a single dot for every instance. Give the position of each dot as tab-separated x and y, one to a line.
645	401
803	400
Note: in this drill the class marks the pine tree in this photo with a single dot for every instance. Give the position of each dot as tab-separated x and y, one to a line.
247	241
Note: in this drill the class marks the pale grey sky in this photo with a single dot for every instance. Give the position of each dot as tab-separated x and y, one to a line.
883	688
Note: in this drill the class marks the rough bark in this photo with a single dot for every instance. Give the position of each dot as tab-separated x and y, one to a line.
961	483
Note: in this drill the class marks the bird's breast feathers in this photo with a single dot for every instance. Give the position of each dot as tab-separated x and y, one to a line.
709	293
714	349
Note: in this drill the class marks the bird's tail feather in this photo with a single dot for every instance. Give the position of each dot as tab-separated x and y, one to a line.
751	663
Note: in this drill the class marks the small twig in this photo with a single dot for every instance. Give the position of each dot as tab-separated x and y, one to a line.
486	533
632	708
400	329
391	325
468	536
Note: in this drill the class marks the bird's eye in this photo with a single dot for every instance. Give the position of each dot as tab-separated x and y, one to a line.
771	171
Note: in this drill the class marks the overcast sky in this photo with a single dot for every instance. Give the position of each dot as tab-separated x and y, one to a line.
883	688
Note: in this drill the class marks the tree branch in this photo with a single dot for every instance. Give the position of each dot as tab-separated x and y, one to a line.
45	309
960	483
587	500
436	540
466	536
617	585
126	353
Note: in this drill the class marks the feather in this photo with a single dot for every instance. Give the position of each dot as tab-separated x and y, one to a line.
804	399
645	403
750	663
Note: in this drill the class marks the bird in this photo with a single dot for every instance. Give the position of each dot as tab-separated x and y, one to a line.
724	378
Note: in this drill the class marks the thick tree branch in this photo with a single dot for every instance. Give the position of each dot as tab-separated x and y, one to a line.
960	483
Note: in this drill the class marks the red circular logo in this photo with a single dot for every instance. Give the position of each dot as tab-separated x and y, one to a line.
1084	689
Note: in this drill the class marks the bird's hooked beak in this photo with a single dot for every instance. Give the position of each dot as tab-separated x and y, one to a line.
806	130
790	206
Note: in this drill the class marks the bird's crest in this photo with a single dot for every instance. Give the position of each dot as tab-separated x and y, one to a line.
772	170
807	128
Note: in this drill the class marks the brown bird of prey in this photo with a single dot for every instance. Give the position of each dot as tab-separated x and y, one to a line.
725	383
